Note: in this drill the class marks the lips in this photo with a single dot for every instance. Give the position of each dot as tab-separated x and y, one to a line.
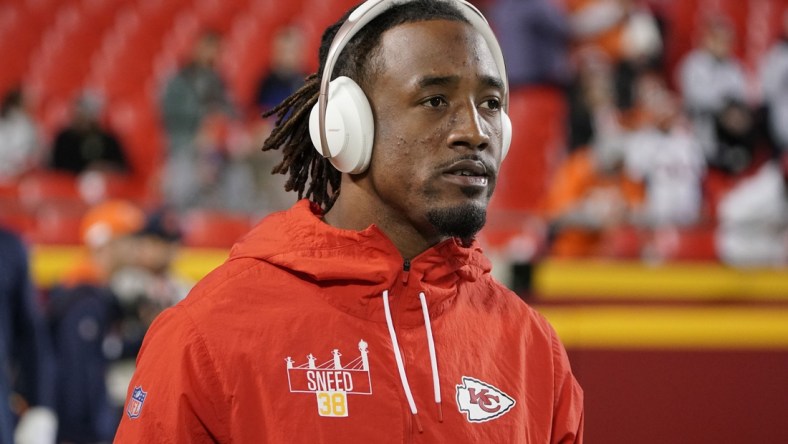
467	168
468	174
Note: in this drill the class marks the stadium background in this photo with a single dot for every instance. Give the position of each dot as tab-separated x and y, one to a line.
686	350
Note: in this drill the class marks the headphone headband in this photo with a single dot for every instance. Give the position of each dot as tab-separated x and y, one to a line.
367	12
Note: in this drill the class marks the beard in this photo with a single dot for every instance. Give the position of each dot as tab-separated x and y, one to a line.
461	221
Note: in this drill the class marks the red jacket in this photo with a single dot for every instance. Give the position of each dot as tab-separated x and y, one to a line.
288	342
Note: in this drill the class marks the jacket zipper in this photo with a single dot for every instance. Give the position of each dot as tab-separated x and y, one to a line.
405	271
409	424
411	430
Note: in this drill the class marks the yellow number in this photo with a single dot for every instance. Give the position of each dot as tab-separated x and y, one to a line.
332	404
324	404
338	402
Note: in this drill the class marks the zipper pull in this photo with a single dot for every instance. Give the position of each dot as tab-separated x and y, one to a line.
405	271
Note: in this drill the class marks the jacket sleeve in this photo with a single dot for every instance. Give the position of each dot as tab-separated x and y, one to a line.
176	393
568	416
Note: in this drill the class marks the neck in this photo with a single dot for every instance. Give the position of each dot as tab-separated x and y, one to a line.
356	209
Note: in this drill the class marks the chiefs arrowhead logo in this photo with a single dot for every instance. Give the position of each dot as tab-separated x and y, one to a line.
481	401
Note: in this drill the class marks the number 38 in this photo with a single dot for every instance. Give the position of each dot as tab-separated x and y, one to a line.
332	404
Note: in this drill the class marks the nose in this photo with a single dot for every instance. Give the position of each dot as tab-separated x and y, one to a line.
468	129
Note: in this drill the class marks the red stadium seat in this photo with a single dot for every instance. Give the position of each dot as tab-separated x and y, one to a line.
695	244
124	65
97	186
20	34
537	116
136	123
60	67
243	60
214	229
41	187
15	217
9	190
217	14
53	114
58	223
279	11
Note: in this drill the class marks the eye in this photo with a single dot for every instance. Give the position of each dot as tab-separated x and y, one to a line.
435	102
493	104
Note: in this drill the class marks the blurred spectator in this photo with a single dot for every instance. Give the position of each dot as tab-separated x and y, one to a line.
19	142
753	218
265	191
593	116
534	36
27	373
598	23
144	289
710	77
85	320
195	93
286	73
641	52
149	284
664	155
84	144
736	135
105	231
774	78
620	28
223	175
590	197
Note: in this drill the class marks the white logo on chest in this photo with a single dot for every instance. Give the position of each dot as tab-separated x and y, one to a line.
481	401
331	381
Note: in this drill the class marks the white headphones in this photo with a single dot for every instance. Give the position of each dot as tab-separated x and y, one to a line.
341	125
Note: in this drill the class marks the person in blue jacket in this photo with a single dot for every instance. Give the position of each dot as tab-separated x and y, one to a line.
27	365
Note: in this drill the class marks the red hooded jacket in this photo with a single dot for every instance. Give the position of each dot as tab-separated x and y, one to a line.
289	342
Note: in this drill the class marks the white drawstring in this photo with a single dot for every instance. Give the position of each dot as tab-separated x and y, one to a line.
436	383
398	356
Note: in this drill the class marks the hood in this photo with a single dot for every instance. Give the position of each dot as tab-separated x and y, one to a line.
298	240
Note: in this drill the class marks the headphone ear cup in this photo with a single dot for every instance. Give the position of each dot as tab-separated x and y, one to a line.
350	128
506	134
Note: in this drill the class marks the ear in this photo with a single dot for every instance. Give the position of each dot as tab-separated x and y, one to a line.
350	128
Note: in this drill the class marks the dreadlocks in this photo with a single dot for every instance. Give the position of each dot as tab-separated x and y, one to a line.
358	61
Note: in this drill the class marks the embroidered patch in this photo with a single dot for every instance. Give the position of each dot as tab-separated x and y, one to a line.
481	401
134	408
331	381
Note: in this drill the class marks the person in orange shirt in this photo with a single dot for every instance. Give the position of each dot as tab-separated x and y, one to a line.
367	311
590	197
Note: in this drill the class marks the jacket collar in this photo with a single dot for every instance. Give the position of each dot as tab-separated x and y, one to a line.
353	268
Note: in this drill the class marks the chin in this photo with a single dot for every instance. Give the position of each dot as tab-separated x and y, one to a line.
462	220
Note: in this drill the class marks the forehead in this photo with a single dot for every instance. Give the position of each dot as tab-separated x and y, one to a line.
436	47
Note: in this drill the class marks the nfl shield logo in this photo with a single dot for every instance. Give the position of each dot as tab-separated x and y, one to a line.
135	403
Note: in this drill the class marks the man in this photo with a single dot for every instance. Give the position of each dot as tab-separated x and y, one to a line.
753	218
194	97
774	80
710	77
429	348
26	377
85	144
19	142
85	320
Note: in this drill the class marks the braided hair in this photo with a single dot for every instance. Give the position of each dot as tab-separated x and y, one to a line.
359	60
